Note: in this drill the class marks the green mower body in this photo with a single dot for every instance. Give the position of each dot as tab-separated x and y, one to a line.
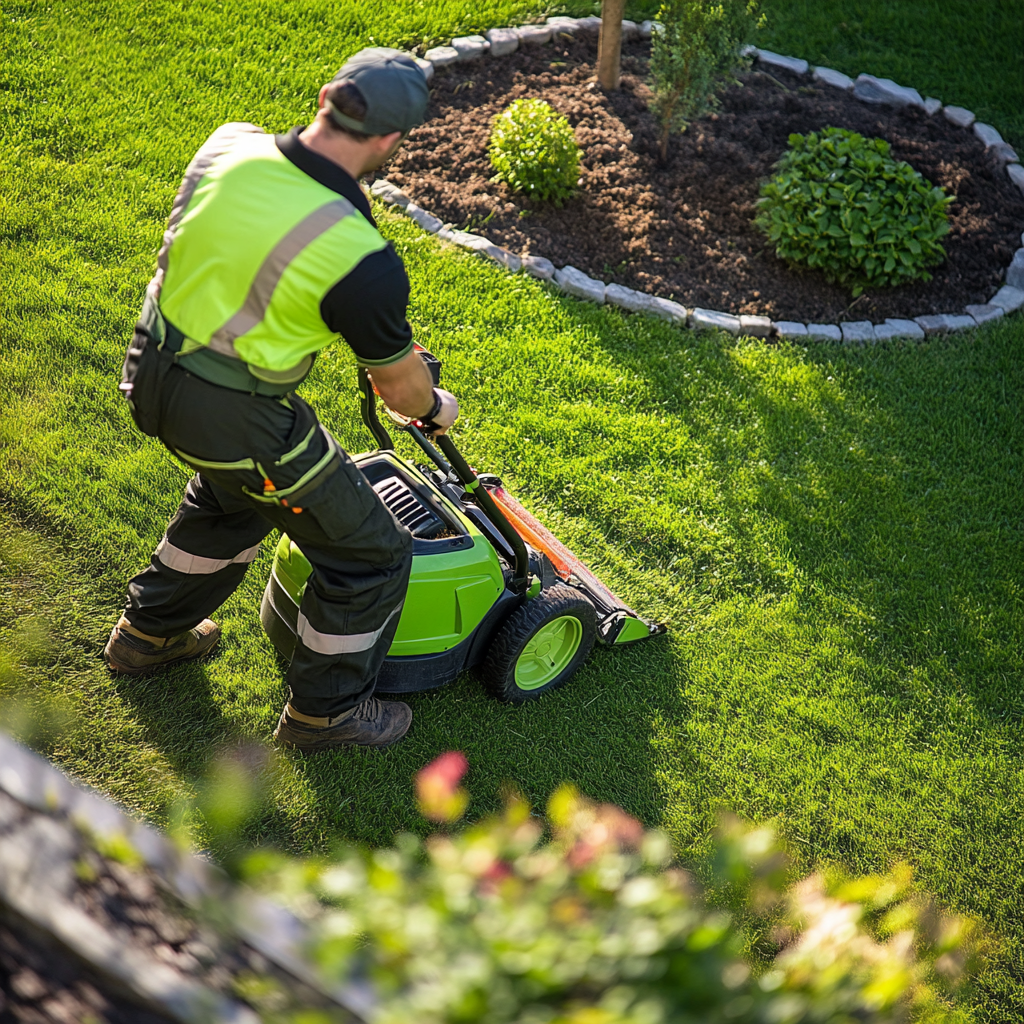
490	588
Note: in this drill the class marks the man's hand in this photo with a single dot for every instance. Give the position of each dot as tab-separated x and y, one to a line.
447	413
408	391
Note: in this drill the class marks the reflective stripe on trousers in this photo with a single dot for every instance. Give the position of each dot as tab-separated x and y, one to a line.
199	565
340	643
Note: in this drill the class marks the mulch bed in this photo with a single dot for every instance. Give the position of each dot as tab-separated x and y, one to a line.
684	230
42	984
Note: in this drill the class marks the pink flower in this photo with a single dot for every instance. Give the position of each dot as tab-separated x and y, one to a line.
437	787
608	828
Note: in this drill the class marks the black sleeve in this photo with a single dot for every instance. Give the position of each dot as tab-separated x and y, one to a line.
367	308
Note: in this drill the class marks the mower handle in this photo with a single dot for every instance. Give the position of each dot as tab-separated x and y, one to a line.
368	409
521	569
464	472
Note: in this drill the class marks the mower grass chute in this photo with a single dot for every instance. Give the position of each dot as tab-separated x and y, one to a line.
491	588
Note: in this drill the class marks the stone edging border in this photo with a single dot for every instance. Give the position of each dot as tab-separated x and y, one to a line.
61	810
501	41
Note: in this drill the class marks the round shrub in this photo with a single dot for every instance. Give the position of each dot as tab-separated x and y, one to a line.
534	151
840	204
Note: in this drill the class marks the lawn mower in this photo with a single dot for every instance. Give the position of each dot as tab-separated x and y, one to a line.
491	588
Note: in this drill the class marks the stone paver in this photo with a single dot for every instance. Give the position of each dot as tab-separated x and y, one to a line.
960	116
944	323
790	329
1008	299
904	329
1016	173
988	135
53	847
426	220
425	66
711	319
828	76
470	47
1015	271
886	332
508	259
641	302
383	189
537	266
858	332
483	246
503	41
630	30
1004	153
627	298
984	313
756	326
591	24
648	28
884	90
776	60
574	282
534	35
561	23
439	56
668	310
932	105
961	323
824	332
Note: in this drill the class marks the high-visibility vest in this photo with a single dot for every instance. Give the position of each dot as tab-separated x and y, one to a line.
252	247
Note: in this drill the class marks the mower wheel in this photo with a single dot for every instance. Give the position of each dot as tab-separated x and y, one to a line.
544	641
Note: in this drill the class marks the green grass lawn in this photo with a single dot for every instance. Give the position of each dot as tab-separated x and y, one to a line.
833	535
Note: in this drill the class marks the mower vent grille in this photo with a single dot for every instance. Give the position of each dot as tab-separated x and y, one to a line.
408	509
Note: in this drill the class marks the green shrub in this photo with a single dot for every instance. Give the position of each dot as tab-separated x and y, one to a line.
534	150
698	47
840	204
582	920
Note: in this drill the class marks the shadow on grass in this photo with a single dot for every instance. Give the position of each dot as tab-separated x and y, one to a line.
595	732
891	478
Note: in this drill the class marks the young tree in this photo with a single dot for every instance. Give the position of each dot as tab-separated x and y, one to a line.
698	46
609	46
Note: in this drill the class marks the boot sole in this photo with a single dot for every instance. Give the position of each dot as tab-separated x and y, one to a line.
316	748
148	670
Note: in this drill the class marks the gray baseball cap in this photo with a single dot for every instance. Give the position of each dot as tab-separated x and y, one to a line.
393	86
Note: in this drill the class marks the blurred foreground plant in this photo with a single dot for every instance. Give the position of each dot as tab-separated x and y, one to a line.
580	919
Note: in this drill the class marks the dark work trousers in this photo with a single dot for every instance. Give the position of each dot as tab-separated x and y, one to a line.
361	556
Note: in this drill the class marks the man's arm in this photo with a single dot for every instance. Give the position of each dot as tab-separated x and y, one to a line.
405	386
367	307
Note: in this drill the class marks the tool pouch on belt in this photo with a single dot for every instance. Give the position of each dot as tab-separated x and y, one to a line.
145	365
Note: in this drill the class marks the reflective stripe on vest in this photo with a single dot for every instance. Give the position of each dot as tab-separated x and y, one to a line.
252	248
273	267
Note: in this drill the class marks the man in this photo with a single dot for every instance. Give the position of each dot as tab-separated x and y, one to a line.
270	254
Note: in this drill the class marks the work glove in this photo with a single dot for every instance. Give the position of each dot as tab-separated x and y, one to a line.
444	413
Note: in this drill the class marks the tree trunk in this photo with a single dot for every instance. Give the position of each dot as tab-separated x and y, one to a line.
666	128
609	47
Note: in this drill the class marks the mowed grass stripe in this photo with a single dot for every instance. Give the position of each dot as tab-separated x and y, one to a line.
834	536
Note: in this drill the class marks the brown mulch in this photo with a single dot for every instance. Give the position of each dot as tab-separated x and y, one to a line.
40	983
684	230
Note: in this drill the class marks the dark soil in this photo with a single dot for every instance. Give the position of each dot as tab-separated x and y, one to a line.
42	984
684	230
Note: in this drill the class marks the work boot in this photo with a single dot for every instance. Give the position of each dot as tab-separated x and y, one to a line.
134	653
374	723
